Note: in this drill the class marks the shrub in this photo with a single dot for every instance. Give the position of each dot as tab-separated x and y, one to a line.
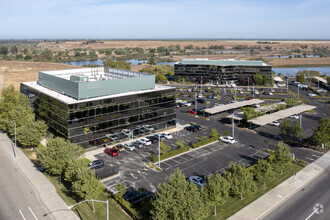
206	141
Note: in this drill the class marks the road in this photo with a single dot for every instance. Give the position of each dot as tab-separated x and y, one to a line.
18	199
304	203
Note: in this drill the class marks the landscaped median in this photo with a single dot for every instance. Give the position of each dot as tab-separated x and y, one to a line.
184	149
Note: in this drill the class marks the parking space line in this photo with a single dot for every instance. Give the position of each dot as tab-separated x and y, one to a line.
21	214
33	213
166	164
310	158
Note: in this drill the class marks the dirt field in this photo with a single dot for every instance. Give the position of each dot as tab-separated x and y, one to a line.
154	44
15	72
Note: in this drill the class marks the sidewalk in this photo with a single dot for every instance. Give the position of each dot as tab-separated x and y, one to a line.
58	209
266	203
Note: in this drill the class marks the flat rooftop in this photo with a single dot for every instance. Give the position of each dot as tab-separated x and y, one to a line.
87	83
268	118
222	108
68	100
227	62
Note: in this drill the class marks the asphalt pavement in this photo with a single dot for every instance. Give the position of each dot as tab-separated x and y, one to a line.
311	202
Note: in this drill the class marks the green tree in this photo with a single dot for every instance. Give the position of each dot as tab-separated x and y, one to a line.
216	190
240	180
296	130
263	170
31	132
300	77
180	143
87	186
152	61
214	132
119	64
56	155
257	78
164	148
290	102
121	190
282	156
265	80
178	199
285	127
321	133
3	50
227	133
74	169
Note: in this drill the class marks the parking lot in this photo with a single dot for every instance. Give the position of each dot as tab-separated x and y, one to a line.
211	158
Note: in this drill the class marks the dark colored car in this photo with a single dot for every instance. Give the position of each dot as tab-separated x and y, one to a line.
136	197
153	139
265	93
201	100
95	142
96	164
197	126
191	128
111	151
209	97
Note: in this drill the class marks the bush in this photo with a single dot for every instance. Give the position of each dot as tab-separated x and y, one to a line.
128	208
206	141
170	154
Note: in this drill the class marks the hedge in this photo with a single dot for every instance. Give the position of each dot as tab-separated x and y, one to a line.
206	141
170	154
127	207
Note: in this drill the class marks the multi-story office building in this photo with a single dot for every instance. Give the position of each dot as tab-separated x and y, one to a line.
220	71
93	106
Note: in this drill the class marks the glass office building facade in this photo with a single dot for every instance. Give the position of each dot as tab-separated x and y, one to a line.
107	119
220	71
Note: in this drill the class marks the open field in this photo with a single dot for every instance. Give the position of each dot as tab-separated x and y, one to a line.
15	72
165	43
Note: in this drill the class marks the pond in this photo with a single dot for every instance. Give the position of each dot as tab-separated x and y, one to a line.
293	70
100	62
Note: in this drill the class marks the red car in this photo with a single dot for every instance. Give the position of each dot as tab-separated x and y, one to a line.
192	112
250	98
111	151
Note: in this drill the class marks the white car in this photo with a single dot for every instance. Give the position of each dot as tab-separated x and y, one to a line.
256	105
275	123
129	146
200	95
168	136
281	85
199	181
241	92
227	139
233	101
187	104
145	141
311	94
321	90
270	93
294	116
256	92
148	127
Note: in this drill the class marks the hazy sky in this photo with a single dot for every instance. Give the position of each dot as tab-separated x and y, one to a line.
303	19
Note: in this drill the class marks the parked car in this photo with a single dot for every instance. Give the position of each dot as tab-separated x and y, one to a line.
321	90
166	136
233	101
265	93
249	98
188	104
199	95
311	94
144	141
137	144
294	116
191	111
214	96
179	104
270	93
153	139
111	151
199	181
201	100
148	127
119	147
95	142
256	105
126	132
129	146
280	85
227	139
209	96
112	137
96	164
191	128
272	90
136	197
275	123
197	126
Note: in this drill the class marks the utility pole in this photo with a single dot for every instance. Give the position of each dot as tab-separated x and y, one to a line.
195	102
235	93
253	90
298	91
300	123
318	84
248	84
287	84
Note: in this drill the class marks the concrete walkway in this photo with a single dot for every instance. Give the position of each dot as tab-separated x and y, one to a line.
58	209
268	202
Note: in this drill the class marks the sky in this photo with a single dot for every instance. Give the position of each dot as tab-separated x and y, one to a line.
159	19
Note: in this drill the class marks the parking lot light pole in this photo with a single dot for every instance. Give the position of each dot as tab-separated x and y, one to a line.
318	84
158	150
287	84
253	90
233	122
93	200
298	91
248	84
195	102
15	146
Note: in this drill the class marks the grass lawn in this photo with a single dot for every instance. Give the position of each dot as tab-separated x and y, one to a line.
85	210
233	205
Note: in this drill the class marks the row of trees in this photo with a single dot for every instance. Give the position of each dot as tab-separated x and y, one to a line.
260	80
60	158
161	72
181	199
14	107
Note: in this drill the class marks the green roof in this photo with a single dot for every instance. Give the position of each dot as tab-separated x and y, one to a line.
224	62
